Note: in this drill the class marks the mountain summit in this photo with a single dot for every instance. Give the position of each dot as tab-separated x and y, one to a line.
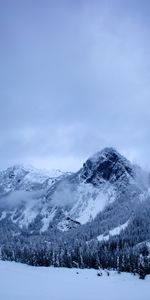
107	165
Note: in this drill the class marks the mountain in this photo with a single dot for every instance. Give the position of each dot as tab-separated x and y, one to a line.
27	193
27	178
106	201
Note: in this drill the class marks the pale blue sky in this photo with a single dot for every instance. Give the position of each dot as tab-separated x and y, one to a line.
74	78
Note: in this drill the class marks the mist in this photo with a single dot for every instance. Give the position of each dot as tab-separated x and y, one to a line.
64	196
19	198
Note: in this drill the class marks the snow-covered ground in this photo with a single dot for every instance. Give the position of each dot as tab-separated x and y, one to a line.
22	282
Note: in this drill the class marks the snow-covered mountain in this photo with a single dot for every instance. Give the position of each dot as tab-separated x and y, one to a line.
21	177
107	198
22	192
29	195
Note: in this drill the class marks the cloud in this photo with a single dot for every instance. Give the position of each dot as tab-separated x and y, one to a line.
64	196
74	79
16	198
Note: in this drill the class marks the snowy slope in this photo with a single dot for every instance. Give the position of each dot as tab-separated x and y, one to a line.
22	194
21	282
25	178
39	199
91	200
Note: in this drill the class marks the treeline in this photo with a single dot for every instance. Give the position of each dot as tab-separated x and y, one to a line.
117	254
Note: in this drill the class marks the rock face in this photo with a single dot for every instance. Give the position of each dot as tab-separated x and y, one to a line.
106	165
39	201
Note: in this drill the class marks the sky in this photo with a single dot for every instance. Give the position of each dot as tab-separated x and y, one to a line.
74	78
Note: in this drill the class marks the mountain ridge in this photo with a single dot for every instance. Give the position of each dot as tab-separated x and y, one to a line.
79	196
106	200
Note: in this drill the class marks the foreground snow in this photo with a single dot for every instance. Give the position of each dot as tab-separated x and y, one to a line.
20	282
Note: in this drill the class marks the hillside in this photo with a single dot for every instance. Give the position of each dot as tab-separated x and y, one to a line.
96	216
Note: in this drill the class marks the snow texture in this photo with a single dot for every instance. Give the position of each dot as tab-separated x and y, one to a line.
90	201
22	282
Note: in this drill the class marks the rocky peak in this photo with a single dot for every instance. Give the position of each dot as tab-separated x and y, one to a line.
106	165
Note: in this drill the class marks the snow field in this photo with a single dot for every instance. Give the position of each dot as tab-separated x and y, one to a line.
23	282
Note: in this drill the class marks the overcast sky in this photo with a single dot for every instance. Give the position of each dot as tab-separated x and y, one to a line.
74	78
